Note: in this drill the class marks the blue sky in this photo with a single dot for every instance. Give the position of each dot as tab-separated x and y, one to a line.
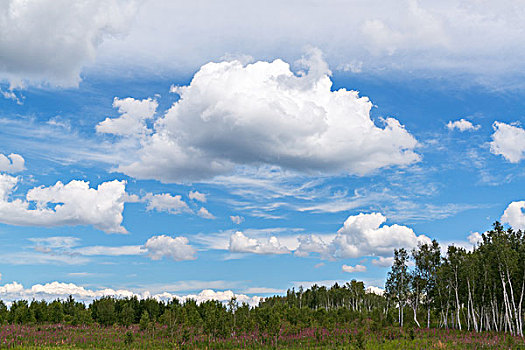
165	148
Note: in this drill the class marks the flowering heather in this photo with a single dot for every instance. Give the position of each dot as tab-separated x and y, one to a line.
161	337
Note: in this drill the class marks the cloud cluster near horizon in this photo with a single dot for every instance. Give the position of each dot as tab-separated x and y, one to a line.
361	235
59	290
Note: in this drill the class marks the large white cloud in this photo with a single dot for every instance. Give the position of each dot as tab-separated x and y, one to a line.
50	40
514	215
165	246
263	114
361	235
74	203
508	141
51	291
12	163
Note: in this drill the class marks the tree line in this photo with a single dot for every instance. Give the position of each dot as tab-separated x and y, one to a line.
317	306
482	289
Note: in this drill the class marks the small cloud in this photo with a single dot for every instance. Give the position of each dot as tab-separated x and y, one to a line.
356	268
59	122
10	95
383	262
204	213
239	243
462	125
236	219
133	117
316	266
166	202
514	215
508	140
12	163
176	248
375	290
474	238
197	196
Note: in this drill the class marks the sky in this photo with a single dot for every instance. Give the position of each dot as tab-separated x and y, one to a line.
208	149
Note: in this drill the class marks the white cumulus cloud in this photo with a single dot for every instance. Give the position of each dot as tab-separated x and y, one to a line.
51	40
172	204
257	114
197	196
383	261
74	203
362	234
474	238
240	243
508	141
12	163
514	215
133	116
462	125
204	213
375	290
54	290
176	248
351	269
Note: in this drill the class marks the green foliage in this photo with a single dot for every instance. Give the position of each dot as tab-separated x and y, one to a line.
128	340
103	311
3	312
56	312
127	315
360	340
20	313
144	321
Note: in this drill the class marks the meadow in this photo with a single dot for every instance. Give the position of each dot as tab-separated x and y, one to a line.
360	336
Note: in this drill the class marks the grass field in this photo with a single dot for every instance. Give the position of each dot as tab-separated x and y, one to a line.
161	337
